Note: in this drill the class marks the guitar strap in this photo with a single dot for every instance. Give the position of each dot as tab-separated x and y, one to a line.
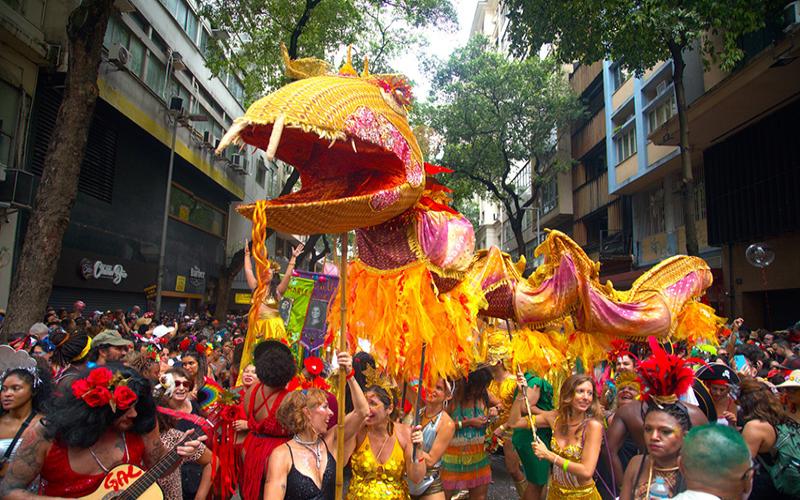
189	417
22	428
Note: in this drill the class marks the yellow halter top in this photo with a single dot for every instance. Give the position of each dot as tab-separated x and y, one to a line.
374	481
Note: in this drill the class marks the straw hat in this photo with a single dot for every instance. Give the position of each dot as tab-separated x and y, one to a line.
792	381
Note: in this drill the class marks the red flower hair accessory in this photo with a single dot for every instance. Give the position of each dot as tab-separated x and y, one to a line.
313	365
102	387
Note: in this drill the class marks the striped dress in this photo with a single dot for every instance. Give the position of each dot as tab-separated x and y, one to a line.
465	464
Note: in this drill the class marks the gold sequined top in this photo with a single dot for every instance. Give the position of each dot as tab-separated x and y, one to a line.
374	481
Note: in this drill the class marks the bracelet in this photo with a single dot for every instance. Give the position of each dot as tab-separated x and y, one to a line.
565	465
351	374
460	425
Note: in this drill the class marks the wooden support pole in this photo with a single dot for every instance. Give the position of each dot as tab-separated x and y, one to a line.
342	381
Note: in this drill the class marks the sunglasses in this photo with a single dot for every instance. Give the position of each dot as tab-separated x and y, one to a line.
754	467
183	383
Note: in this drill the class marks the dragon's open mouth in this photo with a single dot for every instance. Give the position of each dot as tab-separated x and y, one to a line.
329	172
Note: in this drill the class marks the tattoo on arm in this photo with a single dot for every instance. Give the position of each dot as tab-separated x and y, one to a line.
27	463
154	448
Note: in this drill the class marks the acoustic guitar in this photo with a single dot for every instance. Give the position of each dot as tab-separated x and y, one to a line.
128	481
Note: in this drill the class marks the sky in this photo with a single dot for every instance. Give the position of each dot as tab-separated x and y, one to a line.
441	45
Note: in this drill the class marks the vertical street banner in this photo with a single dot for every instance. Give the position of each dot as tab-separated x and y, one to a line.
304	310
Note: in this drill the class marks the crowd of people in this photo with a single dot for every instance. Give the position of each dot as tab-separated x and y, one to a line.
83	394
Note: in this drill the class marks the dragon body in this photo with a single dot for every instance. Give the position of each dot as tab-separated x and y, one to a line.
417	278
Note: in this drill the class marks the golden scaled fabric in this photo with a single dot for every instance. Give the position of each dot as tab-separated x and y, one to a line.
398	310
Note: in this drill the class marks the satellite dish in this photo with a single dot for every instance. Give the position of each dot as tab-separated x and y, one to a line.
759	255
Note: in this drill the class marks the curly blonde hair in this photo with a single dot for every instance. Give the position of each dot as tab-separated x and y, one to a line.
290	413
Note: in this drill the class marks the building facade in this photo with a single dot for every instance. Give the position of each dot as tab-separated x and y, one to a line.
153	83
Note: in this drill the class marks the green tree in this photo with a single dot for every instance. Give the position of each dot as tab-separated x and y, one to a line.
498	119
249	45
58	188
379	29
639	34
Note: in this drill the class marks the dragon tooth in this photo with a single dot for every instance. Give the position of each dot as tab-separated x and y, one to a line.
275	137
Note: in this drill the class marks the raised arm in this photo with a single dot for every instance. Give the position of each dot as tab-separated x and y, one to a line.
353	421
583	469
252	282
26	465
284	284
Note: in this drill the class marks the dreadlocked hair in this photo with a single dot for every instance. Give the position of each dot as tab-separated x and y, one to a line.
664	376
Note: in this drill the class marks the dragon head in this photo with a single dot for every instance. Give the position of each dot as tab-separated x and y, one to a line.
350	140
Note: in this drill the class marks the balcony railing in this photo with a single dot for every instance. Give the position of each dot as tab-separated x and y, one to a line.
591	196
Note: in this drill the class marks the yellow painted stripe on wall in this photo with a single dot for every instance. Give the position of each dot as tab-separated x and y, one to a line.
157	130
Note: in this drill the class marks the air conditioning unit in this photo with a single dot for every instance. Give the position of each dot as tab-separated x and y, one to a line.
119	56
661	87
208	138
220	34
791	15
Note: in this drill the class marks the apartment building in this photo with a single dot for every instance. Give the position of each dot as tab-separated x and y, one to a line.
153	70
744	130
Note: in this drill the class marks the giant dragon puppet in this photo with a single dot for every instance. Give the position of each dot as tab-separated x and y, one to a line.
416	278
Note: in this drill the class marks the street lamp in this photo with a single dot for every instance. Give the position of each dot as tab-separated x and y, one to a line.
177	116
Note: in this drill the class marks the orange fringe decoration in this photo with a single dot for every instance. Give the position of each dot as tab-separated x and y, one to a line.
698	321
399	310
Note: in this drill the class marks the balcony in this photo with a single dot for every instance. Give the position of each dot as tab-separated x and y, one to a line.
584	75
591	196
589	135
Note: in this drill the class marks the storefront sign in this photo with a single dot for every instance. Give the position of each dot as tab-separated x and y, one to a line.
150	292
98	270
180	283
242	298
196	276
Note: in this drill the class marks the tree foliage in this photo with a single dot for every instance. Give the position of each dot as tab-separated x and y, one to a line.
496	116
638	34
378	29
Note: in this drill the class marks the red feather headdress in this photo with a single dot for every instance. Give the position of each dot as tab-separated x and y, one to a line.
618	349
664	376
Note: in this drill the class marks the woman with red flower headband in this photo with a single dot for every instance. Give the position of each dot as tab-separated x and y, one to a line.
106	419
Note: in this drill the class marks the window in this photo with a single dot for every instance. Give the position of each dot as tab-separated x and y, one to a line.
9	114
184	207
136	63
204	38
261	173
156	72
649	212
549	195
662	112
191	26
237	89
625	143
619	75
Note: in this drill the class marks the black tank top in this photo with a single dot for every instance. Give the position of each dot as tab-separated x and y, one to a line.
301	487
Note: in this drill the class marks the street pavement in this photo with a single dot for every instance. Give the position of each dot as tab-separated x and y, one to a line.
502	487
